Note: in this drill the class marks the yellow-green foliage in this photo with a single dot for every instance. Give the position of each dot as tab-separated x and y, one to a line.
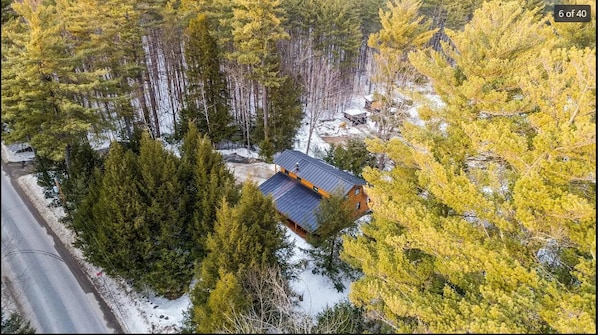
579	34
226	299
486	222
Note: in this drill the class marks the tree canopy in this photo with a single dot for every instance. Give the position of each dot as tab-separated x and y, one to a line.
486	221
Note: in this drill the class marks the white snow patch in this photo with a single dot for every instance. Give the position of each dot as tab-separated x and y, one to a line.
317	291
487	190
17	152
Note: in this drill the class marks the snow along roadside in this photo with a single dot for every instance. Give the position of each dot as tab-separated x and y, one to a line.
115	293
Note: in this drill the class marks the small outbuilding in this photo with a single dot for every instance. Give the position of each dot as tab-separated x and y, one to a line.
355	116
371	104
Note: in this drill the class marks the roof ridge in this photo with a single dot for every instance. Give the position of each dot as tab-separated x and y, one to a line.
319	162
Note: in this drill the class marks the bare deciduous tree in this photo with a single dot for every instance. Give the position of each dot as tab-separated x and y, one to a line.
275	309
321	81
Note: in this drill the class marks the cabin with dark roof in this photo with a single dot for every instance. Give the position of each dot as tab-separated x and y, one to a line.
302	181
355	116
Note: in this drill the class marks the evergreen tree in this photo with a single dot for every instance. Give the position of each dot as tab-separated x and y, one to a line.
207	100
345	318
256	28
7	11
245	237
453	13
325	48
109	33
219	14
369	16
486	221
168	264
337	34
352	156
578	34
45	88
285	119
83	215
137	205
16	324
335	217
403	30
227	298
110	224
208	180
76	183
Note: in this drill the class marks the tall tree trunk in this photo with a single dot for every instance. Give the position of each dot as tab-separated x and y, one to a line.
153	78
265	112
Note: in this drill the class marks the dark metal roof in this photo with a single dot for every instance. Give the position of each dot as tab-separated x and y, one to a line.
294	200
317	172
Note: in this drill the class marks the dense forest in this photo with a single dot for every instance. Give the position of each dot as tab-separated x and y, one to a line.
484	216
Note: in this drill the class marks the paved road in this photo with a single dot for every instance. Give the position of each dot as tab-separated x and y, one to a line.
43	277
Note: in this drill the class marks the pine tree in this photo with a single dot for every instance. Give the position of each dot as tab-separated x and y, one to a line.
227	298
345	318
337	33
246	236
109	35
256	28
578	34
16	324
352	156
285	119
44	84
486	221
453	14
403	30
207	180
168	263
219	14
335	217
207	100
7	11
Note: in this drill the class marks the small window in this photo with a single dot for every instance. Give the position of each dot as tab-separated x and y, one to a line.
356	191
315	188
299	178
358	205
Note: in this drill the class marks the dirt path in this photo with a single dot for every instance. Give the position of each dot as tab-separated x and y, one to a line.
335	139
258	172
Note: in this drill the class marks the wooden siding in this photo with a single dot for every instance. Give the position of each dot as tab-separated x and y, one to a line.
306	183
361	197
296	228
